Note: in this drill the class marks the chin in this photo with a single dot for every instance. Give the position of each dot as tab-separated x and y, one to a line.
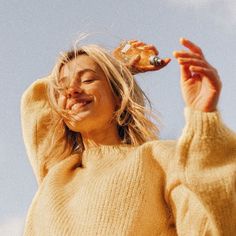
74	126
81	124
87	121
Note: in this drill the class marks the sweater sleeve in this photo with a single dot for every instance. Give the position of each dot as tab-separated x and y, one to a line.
36	117
203	192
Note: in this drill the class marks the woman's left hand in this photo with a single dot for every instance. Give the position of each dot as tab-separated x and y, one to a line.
200	82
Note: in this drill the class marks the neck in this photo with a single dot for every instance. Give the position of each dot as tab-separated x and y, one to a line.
94	138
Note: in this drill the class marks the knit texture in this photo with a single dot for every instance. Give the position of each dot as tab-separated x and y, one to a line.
164	187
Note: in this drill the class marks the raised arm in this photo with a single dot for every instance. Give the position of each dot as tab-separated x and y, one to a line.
36	118
203	177
203	198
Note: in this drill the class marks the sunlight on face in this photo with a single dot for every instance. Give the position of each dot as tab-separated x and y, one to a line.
88	95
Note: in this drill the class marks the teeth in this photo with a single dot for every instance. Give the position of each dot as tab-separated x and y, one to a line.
78	105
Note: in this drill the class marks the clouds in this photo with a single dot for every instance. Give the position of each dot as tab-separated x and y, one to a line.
12	226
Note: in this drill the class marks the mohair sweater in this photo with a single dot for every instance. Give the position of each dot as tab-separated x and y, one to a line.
164	187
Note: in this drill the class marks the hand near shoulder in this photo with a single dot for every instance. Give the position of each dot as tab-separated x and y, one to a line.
200	82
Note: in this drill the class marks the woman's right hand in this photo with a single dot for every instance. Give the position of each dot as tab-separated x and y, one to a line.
133	64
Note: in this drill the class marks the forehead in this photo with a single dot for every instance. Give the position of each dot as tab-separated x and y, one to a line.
78	64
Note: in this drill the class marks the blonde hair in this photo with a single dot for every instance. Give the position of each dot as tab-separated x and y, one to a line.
133	118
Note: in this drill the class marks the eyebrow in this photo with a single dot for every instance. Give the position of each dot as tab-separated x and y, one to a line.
80	73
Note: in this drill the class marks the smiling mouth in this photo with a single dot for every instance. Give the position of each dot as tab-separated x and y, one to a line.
80	105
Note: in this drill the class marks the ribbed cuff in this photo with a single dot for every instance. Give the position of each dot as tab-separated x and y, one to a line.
202	123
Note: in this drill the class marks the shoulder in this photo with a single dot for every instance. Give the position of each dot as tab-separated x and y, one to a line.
162	151
160	146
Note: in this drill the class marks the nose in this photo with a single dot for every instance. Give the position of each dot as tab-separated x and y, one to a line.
73	92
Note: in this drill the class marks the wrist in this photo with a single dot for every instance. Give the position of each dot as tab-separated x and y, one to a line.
201	123
203	108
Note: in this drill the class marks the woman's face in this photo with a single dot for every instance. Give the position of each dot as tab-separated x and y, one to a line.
88	95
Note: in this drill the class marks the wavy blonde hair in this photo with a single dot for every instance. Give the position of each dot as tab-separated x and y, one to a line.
133	117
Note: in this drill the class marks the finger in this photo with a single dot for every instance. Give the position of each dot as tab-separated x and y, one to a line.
192	61
209	73
166	61
196	76
152	67
137	44
151	47
202	70
191	46
134	60
186	54
132	41
147	68
185	73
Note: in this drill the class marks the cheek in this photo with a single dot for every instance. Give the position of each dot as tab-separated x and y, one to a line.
106	102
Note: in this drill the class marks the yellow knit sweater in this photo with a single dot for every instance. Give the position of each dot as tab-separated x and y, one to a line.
185	187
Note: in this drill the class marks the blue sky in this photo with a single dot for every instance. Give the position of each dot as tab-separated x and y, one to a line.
34	32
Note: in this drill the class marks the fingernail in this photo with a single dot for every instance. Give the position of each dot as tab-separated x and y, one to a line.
167	60
182	39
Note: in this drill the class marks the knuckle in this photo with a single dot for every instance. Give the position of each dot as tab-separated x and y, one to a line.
215	70
200	50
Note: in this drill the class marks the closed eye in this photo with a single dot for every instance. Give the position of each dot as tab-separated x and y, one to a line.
87	81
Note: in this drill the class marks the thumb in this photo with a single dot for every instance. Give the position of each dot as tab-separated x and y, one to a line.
134	60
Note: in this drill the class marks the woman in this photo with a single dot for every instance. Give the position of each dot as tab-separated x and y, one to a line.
99	165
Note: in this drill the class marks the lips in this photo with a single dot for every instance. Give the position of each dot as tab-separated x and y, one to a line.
78	103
